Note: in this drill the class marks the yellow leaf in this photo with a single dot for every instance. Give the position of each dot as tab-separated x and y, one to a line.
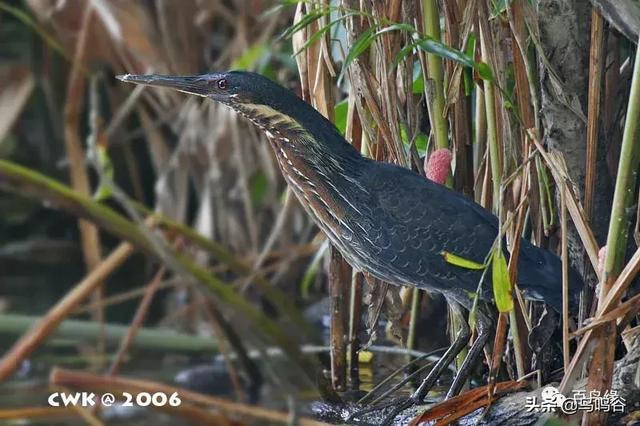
461	261
365	357
501	282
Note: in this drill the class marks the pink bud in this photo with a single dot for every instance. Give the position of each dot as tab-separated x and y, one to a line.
438	165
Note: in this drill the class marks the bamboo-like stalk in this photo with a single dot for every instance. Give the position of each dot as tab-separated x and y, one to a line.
492	132
153	339
479	142
601	366
516	316
436	105
495	120
435	73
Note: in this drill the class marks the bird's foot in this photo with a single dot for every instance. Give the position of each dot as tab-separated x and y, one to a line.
384	414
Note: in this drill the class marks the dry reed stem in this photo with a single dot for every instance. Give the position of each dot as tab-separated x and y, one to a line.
339	274
596	69
499	344
35	413
459	406
566	356
315	73
90	239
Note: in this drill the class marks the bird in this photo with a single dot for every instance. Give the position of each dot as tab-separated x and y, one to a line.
386	220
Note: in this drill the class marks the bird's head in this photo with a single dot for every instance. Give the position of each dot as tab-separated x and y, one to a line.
281	114
234	88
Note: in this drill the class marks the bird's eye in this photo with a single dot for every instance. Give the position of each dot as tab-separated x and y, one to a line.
222	84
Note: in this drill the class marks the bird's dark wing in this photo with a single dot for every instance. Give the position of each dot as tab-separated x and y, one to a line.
415	220
411	221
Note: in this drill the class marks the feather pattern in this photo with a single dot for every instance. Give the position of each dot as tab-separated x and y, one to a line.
387	220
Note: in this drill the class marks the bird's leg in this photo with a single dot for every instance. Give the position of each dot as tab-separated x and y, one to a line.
458	345
484	332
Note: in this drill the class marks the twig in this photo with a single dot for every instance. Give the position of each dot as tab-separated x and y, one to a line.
138	319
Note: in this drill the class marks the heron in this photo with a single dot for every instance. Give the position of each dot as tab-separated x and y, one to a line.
385	220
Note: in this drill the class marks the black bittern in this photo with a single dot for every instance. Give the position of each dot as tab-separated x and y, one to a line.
384	219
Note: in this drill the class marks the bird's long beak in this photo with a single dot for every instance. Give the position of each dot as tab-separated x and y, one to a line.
193	85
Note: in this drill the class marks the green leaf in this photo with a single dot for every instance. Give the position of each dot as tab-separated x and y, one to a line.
484	71
404	52
250	57
340	115
461	261
467	74
103	162
501	282
421	142
396	27
359	46
418	84
315	36
403	135
258	185
307	19
438	48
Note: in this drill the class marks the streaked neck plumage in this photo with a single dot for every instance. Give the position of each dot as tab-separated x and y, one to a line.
320	166
298	132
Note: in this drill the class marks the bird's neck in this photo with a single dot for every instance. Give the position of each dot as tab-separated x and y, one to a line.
307	138
320	166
